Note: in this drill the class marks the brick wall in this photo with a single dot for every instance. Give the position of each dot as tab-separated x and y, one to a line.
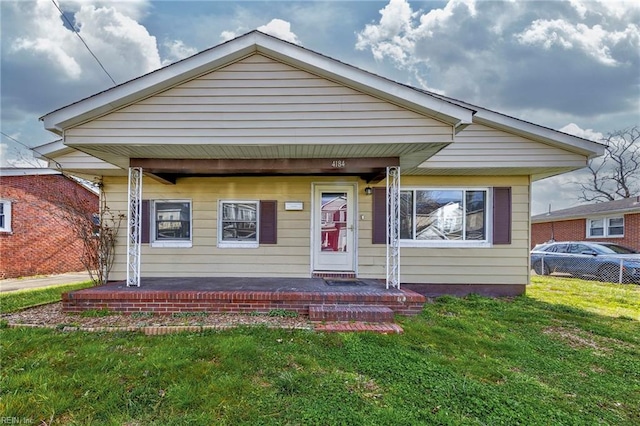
576	230
40	242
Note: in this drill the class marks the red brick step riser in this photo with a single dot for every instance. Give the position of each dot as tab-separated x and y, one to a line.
350	312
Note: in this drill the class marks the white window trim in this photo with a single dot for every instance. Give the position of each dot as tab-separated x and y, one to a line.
170	243
605	226
7	216
238	244
486	243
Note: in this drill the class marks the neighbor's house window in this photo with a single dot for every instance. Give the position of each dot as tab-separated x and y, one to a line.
5	216
444	216
171	223
605	227
238	224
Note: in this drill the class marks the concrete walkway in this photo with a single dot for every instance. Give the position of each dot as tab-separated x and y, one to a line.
13	284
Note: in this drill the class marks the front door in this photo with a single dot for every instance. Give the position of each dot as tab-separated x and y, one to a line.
333	228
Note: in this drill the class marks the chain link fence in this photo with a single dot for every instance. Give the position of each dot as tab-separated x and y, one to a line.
588	266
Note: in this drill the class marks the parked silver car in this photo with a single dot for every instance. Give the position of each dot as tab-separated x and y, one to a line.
606	261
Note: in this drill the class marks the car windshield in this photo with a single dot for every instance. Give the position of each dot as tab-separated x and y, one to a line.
613	249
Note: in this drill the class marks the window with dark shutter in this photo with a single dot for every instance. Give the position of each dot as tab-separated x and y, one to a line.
268	222
502	215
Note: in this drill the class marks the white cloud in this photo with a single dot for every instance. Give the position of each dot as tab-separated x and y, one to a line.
125	48
276	27
595	41
509	57
575	130
48	37
228	35
176	50
281	29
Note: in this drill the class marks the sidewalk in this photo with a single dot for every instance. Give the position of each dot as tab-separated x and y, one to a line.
13	284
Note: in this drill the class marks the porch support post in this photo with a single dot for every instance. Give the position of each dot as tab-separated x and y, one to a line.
393	227
134	219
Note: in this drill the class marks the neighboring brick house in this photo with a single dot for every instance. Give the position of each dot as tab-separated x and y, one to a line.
614	221
34	237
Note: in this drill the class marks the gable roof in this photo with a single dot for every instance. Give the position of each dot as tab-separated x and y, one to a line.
255	42
530	130
455	116
625	205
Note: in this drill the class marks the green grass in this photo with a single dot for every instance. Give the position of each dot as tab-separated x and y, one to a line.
617	300
465	361
16	300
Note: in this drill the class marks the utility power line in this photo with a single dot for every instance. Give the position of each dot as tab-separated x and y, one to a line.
58	165
83	42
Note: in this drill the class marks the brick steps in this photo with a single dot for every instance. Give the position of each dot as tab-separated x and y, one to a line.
359	326
350	312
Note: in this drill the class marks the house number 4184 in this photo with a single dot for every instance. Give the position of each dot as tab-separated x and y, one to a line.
338	164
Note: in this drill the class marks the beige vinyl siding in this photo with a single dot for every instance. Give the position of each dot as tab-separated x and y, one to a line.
499	264
260	101
479	146
289	258
504	264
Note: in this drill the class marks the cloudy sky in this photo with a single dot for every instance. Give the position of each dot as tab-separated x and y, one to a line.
569	65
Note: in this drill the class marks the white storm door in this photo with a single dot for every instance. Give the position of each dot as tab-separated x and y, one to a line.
333	228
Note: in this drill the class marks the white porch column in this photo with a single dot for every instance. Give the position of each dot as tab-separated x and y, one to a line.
393	227
134	219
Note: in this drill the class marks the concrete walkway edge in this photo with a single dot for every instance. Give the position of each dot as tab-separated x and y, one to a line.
13	284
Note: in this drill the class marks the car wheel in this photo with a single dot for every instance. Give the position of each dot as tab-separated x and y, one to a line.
610	274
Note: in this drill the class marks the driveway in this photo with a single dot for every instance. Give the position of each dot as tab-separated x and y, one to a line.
13	284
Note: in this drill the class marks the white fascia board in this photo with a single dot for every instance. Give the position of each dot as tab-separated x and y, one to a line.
552	137
366	82
52	149
31	171
146	85
223	54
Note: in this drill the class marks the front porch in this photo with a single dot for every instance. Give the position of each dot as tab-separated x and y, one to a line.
321	299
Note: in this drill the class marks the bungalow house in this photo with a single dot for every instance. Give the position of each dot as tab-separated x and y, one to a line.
613	221
261	158
36	209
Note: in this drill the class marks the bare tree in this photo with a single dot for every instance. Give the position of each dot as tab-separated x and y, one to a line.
96	230
616	174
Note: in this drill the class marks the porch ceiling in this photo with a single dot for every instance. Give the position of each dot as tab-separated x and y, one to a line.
258	151
405	154
371	169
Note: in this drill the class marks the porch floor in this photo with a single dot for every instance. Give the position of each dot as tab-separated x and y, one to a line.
240	295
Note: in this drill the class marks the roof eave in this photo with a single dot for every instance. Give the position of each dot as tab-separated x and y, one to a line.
538	219
225	53
589	149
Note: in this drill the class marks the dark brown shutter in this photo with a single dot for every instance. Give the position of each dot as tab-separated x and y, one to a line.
145	222
501	215
379	231
268	222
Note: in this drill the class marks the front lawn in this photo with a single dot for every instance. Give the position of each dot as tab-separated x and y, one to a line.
462	361
15	300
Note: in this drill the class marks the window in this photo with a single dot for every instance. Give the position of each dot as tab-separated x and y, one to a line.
238	224
5	216
171	223
605	227
447	216
615	226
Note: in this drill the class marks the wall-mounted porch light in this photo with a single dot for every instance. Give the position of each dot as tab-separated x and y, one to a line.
368	190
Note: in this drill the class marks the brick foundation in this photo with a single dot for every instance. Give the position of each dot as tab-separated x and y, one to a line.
168	302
